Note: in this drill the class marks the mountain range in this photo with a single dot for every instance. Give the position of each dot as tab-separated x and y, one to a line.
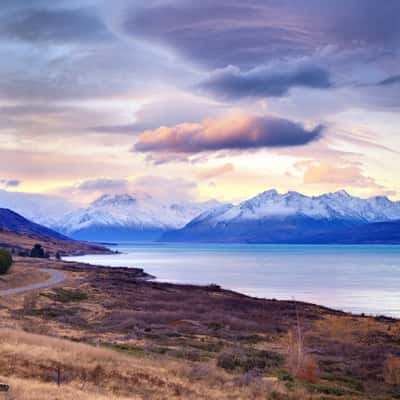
271	217
124	217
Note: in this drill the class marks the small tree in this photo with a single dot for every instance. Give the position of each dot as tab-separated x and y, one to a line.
37	251
5	261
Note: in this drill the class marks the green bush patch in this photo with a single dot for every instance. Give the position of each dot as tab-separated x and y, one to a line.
67	295
248	359
5	261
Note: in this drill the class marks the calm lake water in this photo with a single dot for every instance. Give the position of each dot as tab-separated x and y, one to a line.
359	279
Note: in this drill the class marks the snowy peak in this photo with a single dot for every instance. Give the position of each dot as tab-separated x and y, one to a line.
139	213
271	217
330	206
114	200
111	215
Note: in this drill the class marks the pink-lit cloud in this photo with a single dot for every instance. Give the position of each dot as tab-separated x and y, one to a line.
347	176
217	171
234	131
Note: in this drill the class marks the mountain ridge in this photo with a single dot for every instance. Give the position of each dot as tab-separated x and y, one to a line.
127	217
292	217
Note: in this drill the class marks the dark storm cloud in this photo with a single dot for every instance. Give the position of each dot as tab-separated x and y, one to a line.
230	82
234	132
53	25
253	32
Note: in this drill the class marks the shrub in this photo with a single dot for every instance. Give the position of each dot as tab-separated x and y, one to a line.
38	251
249	359
66	295
5	261
308	371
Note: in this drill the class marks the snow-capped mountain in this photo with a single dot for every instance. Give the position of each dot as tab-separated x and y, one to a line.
125	217
290	217
338	205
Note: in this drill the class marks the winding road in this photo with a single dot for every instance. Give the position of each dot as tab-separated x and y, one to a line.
56	278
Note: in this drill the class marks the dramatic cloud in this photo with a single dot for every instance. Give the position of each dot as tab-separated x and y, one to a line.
83	80
234	132
230	82
253	32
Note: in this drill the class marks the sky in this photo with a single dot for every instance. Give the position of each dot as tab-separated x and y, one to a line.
187	99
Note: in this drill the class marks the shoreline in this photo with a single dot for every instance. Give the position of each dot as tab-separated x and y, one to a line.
141	274
363	308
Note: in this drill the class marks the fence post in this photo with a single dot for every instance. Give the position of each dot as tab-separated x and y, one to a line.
58	375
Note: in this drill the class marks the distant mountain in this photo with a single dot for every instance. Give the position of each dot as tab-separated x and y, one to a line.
125	217
271	217
41	208
13	222
373	233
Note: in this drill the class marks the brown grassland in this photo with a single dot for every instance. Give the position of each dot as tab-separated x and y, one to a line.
110	334
16	242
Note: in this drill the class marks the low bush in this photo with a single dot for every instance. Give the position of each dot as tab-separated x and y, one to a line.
309	370
67	295
38	252
5	261
249	359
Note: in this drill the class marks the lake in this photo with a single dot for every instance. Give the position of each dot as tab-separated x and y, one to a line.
359	279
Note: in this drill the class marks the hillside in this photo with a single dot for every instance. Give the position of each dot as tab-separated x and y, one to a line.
132	338
20	234
13	222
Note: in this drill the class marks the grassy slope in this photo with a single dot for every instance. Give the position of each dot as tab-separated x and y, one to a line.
147	340
21	241
29	363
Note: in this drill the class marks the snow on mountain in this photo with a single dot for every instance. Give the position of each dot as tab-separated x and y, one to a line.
271	217
267	217
130	213
338	205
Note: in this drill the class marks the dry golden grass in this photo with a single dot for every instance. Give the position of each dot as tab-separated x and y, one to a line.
29	363
22	241
29	389
392	370
22	274
349	328
164	341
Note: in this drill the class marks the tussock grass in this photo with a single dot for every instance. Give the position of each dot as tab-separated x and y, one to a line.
29	364
29	389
